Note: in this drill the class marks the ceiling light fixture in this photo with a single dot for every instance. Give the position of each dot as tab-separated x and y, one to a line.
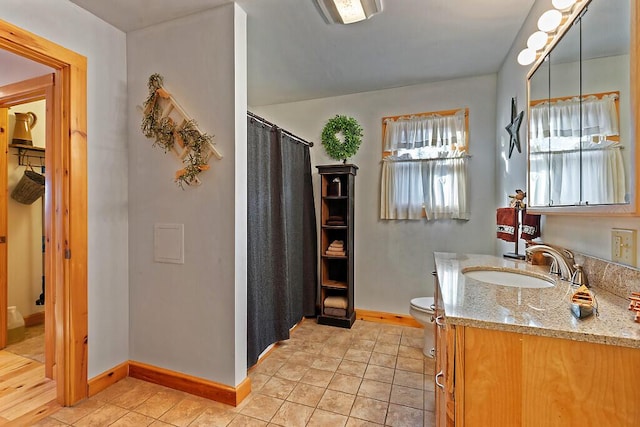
526	56
348	11
563	4
537	40
550	20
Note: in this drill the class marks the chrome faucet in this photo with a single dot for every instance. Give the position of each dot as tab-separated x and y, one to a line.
562	260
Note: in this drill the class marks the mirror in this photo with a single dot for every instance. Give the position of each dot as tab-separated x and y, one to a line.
580	144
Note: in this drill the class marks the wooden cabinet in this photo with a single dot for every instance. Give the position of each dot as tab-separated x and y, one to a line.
445	363
513	379
337	245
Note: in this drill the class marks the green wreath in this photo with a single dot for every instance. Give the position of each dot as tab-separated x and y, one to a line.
352	132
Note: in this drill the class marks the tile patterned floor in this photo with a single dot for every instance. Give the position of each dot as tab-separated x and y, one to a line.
32	347
370	375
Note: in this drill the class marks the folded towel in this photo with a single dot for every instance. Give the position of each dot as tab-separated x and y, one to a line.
336	302
335	312
507	221
530	226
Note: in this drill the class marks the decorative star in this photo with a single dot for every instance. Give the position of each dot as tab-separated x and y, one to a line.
514	128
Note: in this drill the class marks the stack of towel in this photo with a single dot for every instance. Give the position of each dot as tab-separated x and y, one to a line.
335	306
336	248
335	220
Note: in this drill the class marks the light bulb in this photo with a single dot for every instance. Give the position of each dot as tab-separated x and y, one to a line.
563	4
526	56
549	20
537	40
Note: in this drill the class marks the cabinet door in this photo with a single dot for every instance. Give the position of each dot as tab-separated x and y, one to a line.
444	379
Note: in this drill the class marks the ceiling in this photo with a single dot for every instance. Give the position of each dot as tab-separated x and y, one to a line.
294	55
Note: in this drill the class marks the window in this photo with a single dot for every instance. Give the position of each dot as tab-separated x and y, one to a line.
424	169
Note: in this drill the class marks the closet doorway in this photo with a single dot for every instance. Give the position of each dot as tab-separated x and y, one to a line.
65	210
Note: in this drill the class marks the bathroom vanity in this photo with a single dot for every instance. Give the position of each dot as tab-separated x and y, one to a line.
516	356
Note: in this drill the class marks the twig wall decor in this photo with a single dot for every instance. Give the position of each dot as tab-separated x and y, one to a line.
173	130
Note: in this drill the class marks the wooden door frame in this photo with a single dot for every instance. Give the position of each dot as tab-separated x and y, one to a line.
65	205
35	89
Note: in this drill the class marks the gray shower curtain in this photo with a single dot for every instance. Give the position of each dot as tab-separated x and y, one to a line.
282	240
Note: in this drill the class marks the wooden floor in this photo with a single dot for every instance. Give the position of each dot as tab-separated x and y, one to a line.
26	396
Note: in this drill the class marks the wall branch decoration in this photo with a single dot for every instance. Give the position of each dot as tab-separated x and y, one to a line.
170	126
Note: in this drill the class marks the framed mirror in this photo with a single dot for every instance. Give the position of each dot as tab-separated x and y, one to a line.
581	147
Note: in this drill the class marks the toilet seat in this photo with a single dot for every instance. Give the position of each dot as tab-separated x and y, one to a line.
423	304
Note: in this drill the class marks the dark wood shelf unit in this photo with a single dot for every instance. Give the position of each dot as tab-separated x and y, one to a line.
337	271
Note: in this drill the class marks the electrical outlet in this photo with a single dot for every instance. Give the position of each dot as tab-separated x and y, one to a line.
623	246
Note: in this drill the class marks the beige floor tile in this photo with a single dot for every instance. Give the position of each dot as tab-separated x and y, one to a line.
363	344
115	390
356	355
184	412
306	394
322	418
412	342
49	422
356	369
407	396
213	417
103	416
345	383
409	364
278	387
317	377
371	335
244	421
158	423
159	403
429	419
258	380
132	398
415	332
133	419
292	415
402	416
292	372
269	366
429	383
412	352
71	414
262	407
430	365
301	358
391	329
326	363
381	359
409	379
389	338
369	409
379	373
336	401
337	351
375	390
381	347
357	422
429	401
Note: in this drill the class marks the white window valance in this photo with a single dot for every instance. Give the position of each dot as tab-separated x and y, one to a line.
435	131
560	121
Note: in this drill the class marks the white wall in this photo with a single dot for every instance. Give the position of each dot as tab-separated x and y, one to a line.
589	235
394	259
105	48
187	317
25	222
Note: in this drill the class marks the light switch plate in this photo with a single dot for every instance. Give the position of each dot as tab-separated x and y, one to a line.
624	246
168	243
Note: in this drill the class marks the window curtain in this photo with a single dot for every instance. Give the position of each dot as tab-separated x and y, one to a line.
428	131
439	186
282	240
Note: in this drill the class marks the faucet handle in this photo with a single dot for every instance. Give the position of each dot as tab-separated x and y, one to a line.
579	277
555	268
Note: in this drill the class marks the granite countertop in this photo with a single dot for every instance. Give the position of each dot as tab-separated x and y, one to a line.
545	312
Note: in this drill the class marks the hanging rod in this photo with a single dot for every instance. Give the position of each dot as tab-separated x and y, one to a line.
289	134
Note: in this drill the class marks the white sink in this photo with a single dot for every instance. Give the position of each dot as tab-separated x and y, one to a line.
508	277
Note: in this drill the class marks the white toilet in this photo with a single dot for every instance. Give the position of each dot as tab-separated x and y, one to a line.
422	309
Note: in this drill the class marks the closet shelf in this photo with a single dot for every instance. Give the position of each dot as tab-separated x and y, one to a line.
334	284
335	256
335	227
27	147
335	197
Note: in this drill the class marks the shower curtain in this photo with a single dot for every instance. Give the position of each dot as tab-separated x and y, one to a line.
282	240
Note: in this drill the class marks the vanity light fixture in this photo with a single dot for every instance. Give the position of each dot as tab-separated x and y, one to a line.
563	4
348	11
550	20
537	40
526	56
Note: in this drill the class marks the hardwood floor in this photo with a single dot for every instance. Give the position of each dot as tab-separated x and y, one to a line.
26	396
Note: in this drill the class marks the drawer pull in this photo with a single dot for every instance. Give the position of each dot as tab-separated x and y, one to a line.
439	374
440	321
